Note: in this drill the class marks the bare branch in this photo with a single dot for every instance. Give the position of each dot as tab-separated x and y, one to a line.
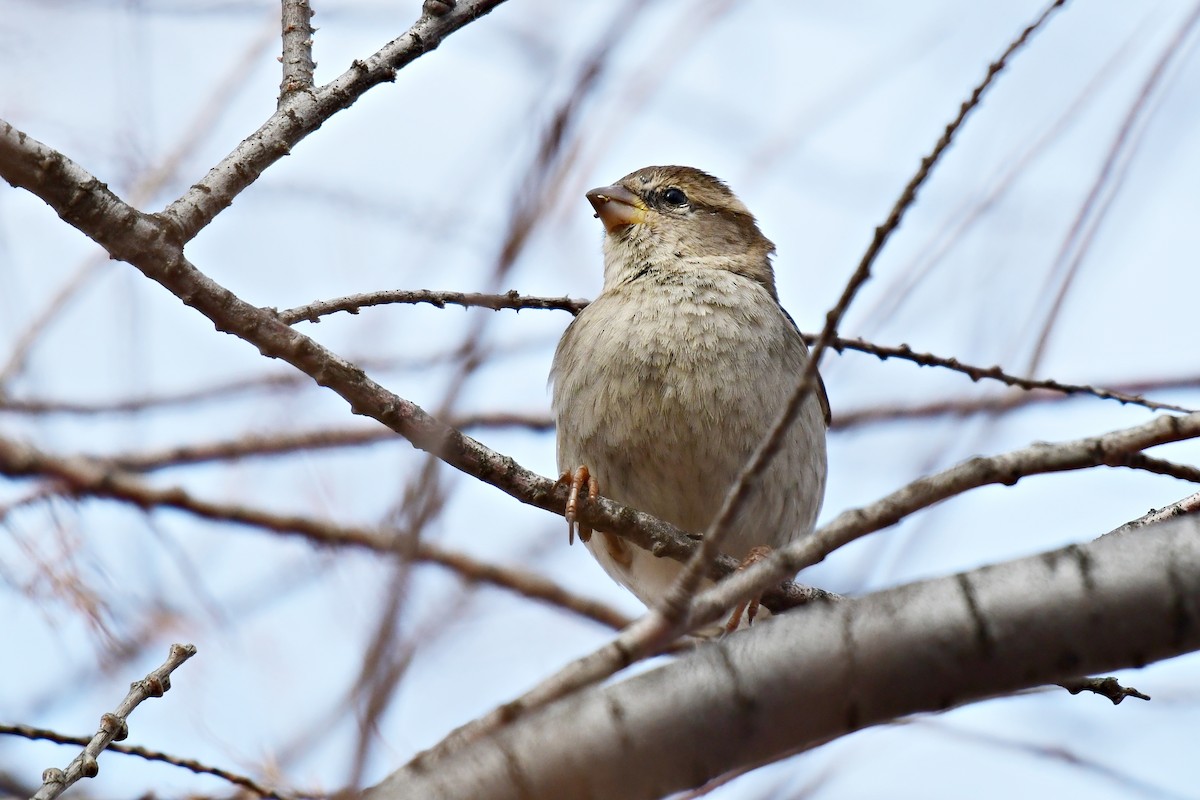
28	732
653	631
113	726
1131	393
143	241
1118	601
98	479
1161	466
909	277
351	304
217	392
1111	449
87	270
1180	508
298	66
995	373
301	113
516	301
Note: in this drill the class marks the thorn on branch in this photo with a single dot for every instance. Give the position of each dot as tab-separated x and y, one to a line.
1107	687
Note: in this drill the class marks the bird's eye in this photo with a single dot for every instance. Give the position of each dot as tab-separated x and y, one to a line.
675	196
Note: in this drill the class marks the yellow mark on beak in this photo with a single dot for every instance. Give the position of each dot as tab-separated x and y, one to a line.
617	207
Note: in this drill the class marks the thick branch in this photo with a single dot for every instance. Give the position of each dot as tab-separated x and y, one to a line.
807	677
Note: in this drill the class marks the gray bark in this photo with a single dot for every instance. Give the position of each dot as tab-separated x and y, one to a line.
825	670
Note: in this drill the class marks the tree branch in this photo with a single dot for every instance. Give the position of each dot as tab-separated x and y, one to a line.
516	301
140	239
353	303
113	726
86	203
1119	601
82	476
302	112
644	637
1130	393
298	66
995	373
1112	449
28	732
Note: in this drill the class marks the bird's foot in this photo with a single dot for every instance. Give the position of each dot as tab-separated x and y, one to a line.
577	480
748	607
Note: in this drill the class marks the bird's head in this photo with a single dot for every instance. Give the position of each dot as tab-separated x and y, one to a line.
679	218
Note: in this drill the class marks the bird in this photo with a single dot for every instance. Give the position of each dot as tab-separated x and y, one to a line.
664	385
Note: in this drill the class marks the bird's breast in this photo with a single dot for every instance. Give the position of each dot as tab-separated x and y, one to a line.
664	390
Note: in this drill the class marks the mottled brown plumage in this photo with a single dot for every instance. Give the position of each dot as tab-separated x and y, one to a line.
665	384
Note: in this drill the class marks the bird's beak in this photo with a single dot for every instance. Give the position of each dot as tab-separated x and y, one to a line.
617	207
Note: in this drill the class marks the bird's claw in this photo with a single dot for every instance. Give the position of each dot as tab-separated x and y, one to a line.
576	481
747	607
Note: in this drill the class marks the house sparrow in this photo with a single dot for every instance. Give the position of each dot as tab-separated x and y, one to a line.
666	383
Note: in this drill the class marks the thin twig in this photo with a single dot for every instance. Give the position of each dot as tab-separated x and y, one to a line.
1084	765
516	301
221	392
995	373
351	304
300	113
29	732
113	726
909	276
1010	401
1105	687
1161	466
